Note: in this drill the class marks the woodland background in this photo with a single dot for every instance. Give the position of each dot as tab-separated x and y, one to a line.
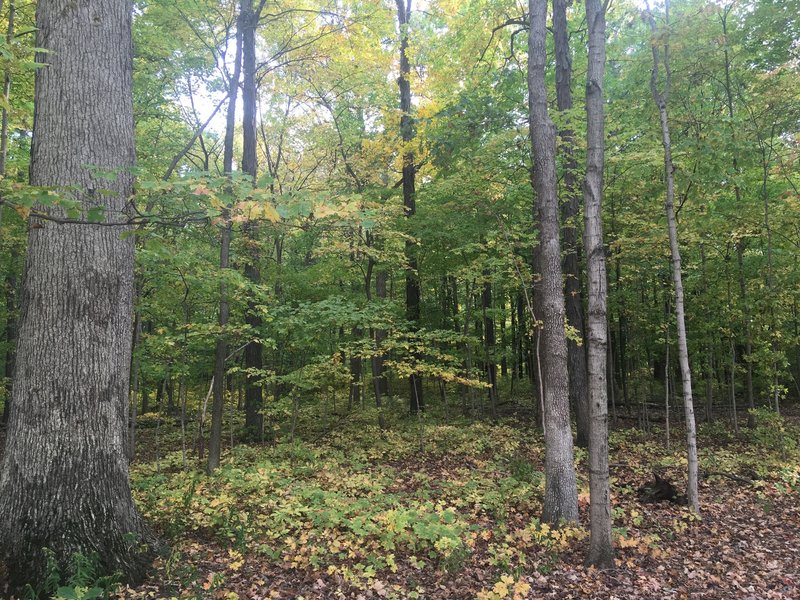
376	436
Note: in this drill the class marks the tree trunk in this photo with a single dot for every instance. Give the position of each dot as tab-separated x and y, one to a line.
677	278
561	495
578	397
221	351
379	379
417	402
64	477
601	551
11	277
503	339
740	244
356	371
11	337
253	353
489	345
12	11
144	392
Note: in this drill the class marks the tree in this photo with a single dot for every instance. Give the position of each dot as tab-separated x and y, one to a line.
64	477
11	279
253	353
221	350
417	402
660	98
601	551
570	208
561	495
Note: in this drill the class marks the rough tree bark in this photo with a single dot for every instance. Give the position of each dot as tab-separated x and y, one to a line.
601	551
221	351
576	355
661	99
409	189
561	495
64	477
253	353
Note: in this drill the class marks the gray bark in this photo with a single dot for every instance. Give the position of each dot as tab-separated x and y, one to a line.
64	477
561	496
215	439
570	207
660	99
601	551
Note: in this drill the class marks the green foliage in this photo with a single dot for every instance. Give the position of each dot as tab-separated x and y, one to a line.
82	583
770	431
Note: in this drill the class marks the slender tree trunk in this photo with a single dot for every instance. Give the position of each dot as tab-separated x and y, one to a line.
12	11
748	331
660	99
417	402
356	371
561	496
740	244
601	551
144	392
11	277
709	375
503	339
612	385
667	380
64	476
170	397
159	394
732	389
11	337
221	351
578	387
489	345
379	379
770	275
253	353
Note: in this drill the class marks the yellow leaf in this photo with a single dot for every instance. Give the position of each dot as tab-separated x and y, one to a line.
270	214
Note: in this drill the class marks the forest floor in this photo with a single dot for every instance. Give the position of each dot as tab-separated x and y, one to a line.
363	513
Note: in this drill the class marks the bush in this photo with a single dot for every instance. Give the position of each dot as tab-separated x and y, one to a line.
770	431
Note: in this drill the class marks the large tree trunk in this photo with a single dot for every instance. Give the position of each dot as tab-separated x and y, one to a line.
660	99
221	351
561	495
409	190
601	552
253	353
64	477
576	355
